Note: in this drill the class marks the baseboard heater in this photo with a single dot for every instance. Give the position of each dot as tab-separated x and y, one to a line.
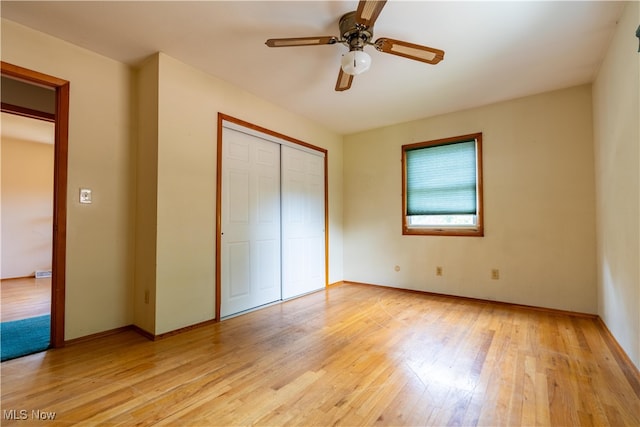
41	274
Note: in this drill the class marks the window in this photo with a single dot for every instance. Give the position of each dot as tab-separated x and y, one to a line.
442	187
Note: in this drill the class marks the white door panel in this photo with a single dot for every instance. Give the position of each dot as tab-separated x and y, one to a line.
250	241
303	264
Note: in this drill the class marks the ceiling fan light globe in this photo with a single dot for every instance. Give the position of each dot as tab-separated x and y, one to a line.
355	62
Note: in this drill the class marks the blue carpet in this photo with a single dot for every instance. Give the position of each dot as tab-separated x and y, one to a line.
26	336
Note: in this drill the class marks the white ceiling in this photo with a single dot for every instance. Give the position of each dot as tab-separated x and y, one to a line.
493	50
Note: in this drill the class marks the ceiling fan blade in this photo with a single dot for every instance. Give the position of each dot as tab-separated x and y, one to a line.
368	11
301	41
410	50
344	81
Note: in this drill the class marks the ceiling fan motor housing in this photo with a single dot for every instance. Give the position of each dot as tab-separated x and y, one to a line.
355	35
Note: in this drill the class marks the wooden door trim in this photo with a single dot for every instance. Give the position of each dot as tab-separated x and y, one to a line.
27	112
59	189
221	119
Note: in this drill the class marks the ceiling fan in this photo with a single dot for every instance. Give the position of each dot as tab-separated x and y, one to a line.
356	29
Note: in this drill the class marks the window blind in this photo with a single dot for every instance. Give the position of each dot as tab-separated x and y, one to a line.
441	180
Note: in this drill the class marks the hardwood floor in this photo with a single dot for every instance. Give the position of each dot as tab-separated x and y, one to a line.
24	297
352	355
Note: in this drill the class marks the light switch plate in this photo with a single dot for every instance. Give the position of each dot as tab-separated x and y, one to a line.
85	195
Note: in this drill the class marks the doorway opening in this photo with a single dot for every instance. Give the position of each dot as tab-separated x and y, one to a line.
26	206
60	119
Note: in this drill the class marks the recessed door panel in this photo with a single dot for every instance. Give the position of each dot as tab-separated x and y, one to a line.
268	264
268	212
239	269
238	211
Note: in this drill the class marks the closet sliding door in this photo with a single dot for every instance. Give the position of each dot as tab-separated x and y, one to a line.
272	219
250	241
303	233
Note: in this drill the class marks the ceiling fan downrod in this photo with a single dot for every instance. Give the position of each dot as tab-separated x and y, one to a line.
355	36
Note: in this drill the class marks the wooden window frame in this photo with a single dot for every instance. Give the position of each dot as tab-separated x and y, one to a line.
478	229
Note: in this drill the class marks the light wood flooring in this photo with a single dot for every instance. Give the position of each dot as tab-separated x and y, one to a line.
25	297
351	355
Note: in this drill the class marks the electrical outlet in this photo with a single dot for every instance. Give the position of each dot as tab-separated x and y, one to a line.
146	296
438	271
495	274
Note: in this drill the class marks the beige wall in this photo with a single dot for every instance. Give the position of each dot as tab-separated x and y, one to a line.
144	298
100	236
538	200
27	207
616	92
189	102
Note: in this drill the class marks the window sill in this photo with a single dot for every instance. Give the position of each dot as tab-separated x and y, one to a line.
443	231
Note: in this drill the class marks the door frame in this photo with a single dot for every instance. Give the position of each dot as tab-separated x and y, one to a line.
226	118
59	244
